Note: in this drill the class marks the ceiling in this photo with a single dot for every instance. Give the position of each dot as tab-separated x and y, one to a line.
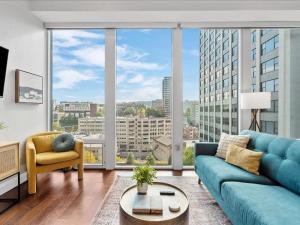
66	13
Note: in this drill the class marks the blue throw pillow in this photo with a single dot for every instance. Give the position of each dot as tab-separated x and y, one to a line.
63	143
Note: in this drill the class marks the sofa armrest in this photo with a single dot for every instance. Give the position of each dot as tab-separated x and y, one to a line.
205	148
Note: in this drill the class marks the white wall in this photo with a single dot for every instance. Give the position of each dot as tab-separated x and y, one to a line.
24	36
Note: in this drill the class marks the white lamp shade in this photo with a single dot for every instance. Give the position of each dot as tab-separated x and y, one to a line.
256	100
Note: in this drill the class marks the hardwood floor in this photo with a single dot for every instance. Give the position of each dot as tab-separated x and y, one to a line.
62	200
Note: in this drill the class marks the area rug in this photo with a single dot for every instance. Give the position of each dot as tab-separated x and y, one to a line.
203	208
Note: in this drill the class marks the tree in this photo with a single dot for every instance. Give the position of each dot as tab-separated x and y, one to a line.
188	115
99	113
68	121
188	156
150	159
130	158
154	113
129	111
89	156
57	127
141	112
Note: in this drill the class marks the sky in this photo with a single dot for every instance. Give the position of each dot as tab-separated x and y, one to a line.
144	58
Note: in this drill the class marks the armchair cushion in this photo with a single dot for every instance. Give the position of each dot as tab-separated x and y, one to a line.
63	142
46	158
43	143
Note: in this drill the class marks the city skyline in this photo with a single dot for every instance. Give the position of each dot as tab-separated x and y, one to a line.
142	63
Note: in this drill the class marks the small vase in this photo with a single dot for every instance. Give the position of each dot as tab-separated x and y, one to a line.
142	188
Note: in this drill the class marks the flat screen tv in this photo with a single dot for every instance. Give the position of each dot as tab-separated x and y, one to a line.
3	64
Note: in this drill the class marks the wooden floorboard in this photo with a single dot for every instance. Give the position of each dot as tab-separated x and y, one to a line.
63	200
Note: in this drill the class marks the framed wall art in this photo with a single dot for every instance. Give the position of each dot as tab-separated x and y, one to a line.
29	87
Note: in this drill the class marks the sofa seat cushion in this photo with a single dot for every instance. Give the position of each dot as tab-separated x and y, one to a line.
258	204
47	158
218	171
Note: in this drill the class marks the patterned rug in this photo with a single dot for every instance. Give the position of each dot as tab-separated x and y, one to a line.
203	208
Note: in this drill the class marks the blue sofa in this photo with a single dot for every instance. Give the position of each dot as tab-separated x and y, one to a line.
273	198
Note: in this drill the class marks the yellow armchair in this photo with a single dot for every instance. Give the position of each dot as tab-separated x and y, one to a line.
40	158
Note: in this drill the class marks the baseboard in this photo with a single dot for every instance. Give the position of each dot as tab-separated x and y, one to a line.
12	182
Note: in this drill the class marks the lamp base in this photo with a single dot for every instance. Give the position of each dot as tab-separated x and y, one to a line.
254	124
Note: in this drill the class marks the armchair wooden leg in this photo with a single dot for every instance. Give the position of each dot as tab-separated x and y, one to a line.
199	181
80	171
32	183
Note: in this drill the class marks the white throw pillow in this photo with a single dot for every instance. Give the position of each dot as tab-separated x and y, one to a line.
226	140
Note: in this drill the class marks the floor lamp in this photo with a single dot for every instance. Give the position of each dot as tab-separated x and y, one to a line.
255	101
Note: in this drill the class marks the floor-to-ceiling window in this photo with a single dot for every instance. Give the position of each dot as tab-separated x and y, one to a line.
144	90
144	97
78	87
145	108
191	107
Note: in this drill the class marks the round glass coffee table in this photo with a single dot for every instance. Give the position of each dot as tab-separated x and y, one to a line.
127	217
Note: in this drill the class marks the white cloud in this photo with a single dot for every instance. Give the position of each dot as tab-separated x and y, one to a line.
137	65
68	79
194	52
59	61
139	94
148	89
94	55
148	93
131	59
71	38
70	97
136	79
121	78
152	81
128	58
126	52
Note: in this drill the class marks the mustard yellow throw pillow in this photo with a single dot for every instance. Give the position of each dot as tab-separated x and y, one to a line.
244	158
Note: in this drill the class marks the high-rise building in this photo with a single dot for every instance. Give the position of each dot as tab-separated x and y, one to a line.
167	95
264	73
191	110
275	69
195	113
218	83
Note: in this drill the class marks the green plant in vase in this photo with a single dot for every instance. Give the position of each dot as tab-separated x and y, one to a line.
144	176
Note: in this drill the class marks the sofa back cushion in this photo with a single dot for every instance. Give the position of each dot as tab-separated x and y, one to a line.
281	158
43	143
227	139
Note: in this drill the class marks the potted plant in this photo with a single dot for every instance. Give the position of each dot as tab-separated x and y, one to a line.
143	175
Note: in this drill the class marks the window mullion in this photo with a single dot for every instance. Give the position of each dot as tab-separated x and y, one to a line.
110	99
177	106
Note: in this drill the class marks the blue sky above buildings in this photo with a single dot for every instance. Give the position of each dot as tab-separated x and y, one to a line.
144	57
